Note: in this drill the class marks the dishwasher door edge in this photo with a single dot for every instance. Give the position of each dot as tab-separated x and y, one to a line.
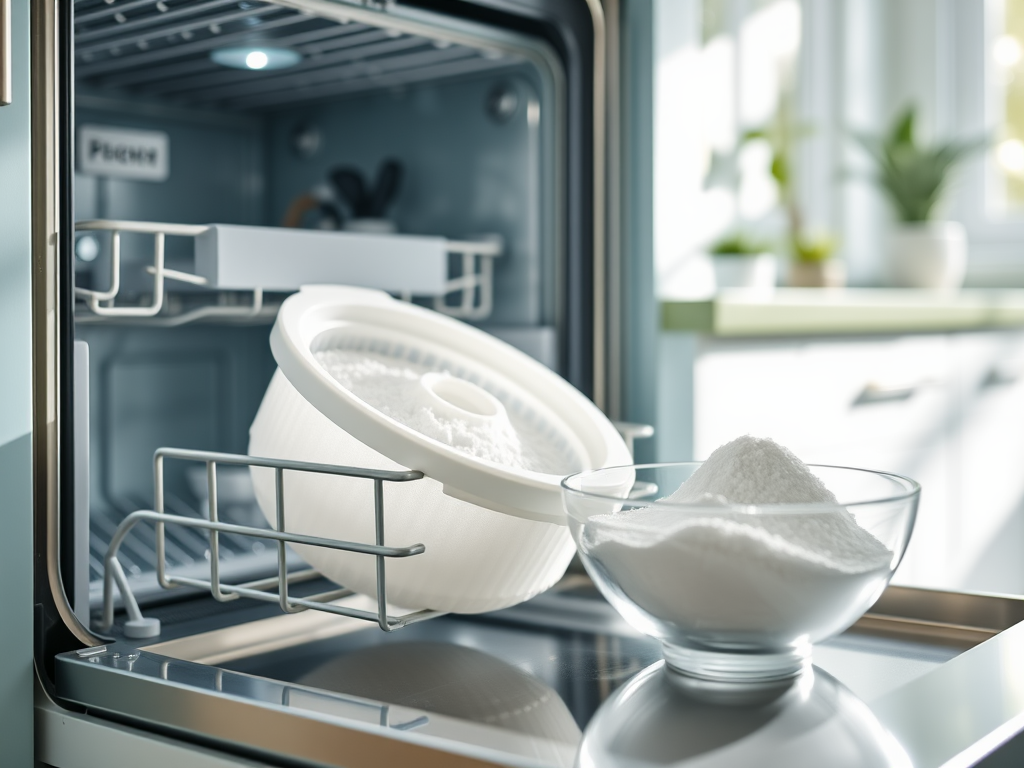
62	737
965	709
260	718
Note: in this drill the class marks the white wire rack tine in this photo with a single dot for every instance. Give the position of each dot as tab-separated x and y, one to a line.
115	265
115	268
158	506
131	606
486	287
378	518
294	577
282	554
141	227
159	241
93	298
184	277
214	513
469	292
154	308
474	277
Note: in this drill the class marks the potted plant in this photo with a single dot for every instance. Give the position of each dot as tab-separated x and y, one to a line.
813	265
740	262
923	252
812	255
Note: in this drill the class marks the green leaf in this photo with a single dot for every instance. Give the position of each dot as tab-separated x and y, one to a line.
814	249
737	244
780	169
903	128
913	177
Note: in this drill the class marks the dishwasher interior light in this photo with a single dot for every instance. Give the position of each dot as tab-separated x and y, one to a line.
256	57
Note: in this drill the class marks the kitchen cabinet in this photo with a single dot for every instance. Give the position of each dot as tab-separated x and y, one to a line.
988	450
946	409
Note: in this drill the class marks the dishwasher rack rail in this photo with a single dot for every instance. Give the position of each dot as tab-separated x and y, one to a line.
139	626
467	292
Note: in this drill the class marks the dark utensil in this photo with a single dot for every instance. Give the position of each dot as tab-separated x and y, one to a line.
389	178
352	187
330	217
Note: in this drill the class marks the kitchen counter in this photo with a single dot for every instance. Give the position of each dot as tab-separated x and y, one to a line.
813	311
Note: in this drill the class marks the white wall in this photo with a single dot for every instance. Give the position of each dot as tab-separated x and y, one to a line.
16	674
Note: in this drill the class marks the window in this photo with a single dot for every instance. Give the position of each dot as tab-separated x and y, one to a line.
723	67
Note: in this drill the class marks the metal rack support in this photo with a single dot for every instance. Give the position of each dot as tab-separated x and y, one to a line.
138	626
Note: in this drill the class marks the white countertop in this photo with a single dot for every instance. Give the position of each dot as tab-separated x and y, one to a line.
811	311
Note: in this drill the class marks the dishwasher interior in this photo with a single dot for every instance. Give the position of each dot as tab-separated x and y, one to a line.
469	121
169	359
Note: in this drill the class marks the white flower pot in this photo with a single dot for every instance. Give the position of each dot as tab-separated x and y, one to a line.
745	271
929	254
830	273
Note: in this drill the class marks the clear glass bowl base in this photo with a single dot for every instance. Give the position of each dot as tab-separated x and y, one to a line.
737	667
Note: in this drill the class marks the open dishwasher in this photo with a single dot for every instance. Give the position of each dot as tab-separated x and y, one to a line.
226	150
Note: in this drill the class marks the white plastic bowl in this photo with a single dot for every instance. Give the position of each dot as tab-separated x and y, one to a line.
494	535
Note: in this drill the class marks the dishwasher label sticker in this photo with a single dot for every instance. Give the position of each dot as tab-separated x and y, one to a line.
123	154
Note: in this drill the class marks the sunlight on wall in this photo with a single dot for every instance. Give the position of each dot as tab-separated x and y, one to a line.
707	94
1007	78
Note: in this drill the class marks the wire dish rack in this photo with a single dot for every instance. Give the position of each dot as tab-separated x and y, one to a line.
274	589
468	294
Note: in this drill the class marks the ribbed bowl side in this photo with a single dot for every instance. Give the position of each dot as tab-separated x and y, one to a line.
476	559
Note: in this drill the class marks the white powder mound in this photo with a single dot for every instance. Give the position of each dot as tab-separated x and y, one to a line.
753	470
393	387
737	573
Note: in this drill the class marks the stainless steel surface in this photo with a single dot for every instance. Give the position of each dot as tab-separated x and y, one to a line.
613	206
6	58
599	203
80	389
983	612
46	61
264	717
520	686
261	589
64	739
962	711
345	50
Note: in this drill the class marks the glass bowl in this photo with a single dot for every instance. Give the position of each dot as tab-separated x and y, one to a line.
813	722
738	592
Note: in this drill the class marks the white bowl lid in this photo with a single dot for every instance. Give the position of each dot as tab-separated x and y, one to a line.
492	424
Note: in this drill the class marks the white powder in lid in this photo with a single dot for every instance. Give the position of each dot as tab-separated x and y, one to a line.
393	386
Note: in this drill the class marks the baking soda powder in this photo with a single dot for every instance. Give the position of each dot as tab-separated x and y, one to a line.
393	386
746	577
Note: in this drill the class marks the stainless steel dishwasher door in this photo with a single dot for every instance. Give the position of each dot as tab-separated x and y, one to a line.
523	686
